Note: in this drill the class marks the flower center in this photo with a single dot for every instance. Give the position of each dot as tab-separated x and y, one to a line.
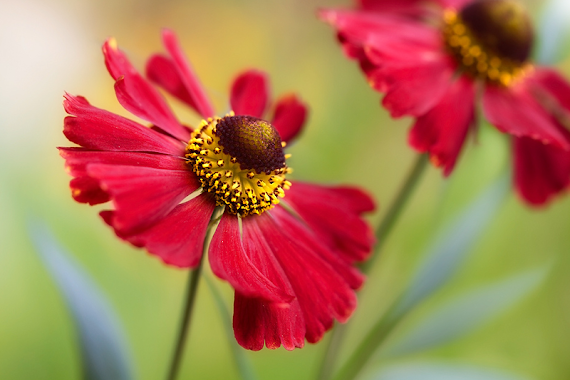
490	39
240	160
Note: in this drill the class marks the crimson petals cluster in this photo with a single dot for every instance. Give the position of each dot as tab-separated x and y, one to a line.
402	49
291	267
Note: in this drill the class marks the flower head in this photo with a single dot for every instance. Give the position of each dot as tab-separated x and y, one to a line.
287	248
435	60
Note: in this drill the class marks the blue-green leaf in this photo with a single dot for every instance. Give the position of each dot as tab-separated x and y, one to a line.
245	368
442	261
442	371
451	248
465	313
103	347
554	32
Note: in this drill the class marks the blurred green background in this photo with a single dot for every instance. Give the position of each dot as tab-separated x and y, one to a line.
49	47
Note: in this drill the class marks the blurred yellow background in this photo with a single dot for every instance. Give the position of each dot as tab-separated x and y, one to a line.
49	47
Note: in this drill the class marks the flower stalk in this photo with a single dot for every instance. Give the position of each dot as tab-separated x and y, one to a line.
191	291
382	232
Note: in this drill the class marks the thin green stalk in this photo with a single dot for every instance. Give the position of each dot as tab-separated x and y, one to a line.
367	347
191	291
382	232
396	208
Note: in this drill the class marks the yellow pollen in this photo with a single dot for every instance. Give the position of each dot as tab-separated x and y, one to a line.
243	192
477	61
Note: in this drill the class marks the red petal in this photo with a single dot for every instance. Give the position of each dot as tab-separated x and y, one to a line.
94	128
250	93
308	240
411	7
442	130
556	86
513	110
455	4
540	171
335	218
359	26
289	118
142	195
116	61
138	96
178	239
175	75
86	189
256	321
415	90
322	293
231	260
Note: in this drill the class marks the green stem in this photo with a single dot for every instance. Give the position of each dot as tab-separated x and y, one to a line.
396	208
191	291
382	232
367	347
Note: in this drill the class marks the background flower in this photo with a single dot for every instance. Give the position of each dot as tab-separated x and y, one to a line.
54	46
442	61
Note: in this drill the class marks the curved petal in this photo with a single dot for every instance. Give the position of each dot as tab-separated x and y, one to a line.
514	110
442	131
231	260
383	31
415	90
257	321
335	218
541	171
323	294
178	238
142	196
555	86
308	240
415	9
94	128
289	117
454	4
137	95
250	93
86	189
175	75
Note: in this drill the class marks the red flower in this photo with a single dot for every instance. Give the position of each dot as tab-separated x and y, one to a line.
291	267
436	59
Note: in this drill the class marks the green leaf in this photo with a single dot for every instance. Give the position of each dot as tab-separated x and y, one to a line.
464	314
103	346
441	263
442	371
245	368
554	33
451	248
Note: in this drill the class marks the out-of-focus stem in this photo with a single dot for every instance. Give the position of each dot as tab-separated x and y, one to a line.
382	232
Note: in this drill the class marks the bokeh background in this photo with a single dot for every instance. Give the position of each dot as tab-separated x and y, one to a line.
49	47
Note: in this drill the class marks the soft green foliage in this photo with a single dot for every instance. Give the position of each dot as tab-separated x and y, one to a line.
104	351
554	32
49	47
440	371
244	367
467	312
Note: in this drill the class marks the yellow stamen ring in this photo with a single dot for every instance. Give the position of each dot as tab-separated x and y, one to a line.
243	192
473	57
